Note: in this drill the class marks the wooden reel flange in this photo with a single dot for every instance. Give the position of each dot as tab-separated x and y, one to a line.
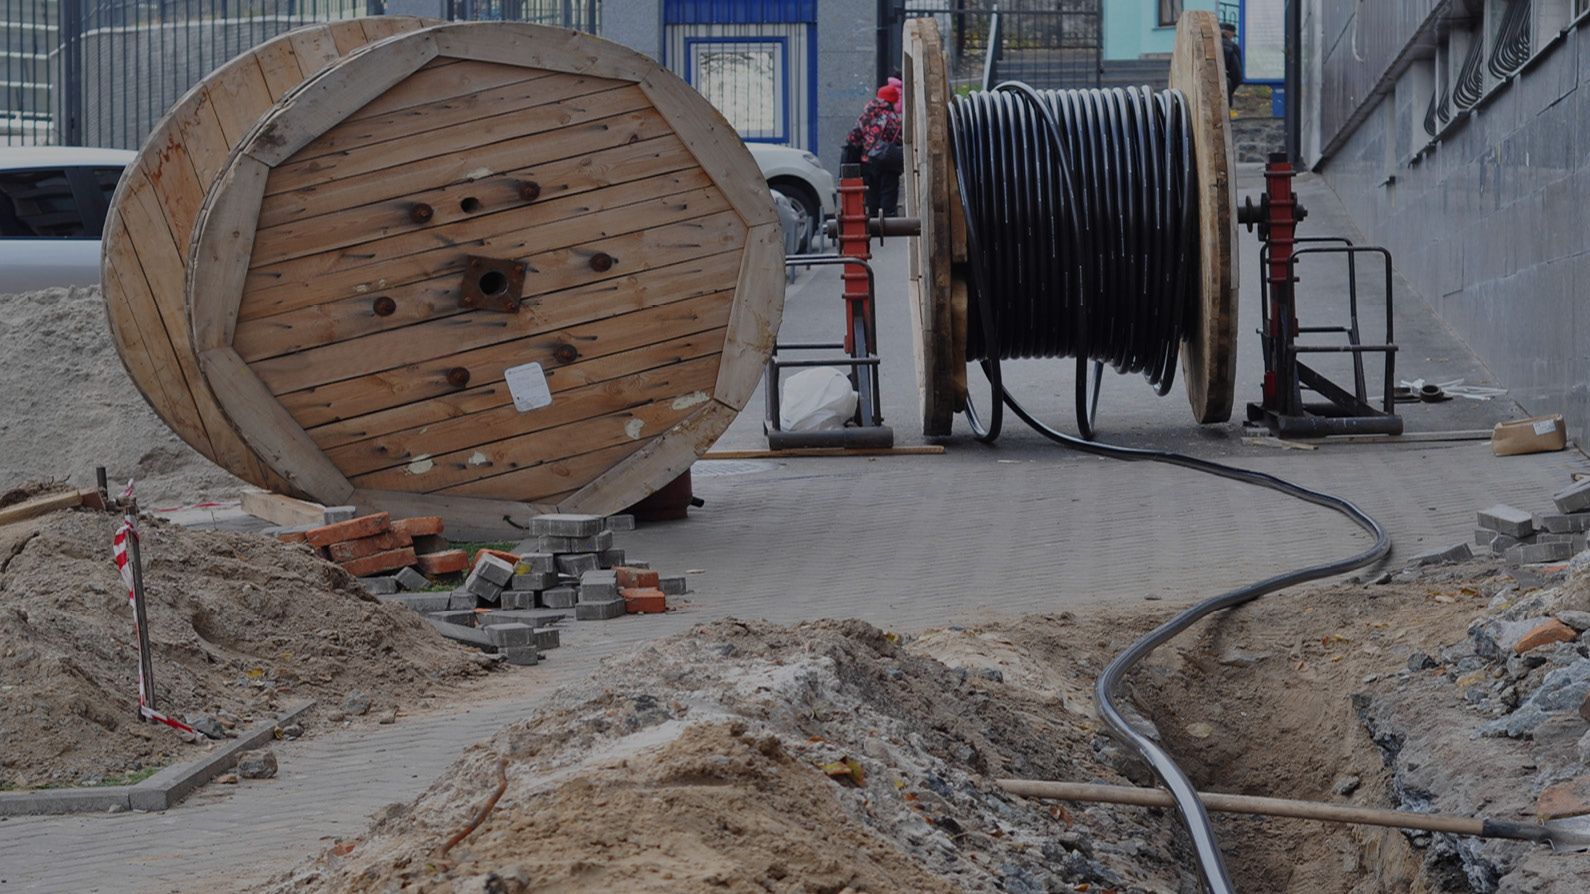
938	280
450	269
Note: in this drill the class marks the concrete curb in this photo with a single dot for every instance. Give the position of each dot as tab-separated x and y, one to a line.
159	792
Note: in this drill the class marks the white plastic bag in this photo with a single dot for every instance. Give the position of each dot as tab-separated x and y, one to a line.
816	399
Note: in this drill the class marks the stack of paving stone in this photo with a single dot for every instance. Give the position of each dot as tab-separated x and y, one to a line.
1525	538
510	601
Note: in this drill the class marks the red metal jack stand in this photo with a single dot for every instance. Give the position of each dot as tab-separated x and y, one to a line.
866	430
1283	409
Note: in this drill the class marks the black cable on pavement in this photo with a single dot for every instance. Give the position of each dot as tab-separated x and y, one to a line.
1081	229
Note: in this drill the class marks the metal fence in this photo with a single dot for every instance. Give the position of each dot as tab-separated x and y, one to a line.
102	72
1046	43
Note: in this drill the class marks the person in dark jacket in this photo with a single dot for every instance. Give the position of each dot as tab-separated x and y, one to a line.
875	143
1228	42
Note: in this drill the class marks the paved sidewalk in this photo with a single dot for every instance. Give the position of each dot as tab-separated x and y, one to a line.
907	542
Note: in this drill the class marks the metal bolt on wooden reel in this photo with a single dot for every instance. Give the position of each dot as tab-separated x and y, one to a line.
453	269
943	265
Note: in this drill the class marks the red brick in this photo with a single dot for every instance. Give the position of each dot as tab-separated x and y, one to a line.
348	550
1571	798
419	526
352	529
1545	633
391	560
636	577
292	536
449	562
643	600
508	557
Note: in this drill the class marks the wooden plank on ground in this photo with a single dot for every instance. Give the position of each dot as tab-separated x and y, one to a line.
282	510
43	505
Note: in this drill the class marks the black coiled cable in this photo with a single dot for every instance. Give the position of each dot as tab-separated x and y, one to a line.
1053	222
1092	256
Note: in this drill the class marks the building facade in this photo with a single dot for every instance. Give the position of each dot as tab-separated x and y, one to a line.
1456	134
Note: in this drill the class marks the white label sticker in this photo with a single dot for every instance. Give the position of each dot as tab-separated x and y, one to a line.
1545	426
528	385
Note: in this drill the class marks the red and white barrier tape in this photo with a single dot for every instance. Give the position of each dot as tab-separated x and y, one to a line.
124	534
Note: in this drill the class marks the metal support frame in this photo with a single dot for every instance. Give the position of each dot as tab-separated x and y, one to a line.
1283	408
859	346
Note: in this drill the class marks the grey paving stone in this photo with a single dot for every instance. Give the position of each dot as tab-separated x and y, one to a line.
1504	519
1538	553
538	617
512	599
546	638
469	635
523	656
491	568
535	580
411	579
511	633
334	514
1573	499
560	597
461	618
422	602
598	586
1563	523
538	562
611	558
673	584
1458	553
578	563
598	611
461	599
567	525
379	586
482	586
621	522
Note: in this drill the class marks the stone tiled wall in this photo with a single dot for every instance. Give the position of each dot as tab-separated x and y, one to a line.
1491	223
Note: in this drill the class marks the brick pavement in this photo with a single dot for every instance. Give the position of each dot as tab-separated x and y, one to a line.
910	542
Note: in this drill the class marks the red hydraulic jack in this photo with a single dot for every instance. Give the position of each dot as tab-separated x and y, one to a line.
1283	410
865	429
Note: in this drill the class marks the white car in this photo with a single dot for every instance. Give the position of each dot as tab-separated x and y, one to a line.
800	177
53	201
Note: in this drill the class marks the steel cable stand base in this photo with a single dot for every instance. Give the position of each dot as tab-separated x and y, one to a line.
1283	409
865	430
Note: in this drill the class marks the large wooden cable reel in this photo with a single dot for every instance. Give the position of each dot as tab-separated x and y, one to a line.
938	278
385	236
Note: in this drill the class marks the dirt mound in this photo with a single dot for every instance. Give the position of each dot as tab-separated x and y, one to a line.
70	406
239	624
703	762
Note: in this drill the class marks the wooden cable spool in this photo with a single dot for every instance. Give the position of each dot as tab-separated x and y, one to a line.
377	259
938	287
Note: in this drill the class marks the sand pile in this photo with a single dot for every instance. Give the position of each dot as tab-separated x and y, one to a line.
70	406
705	762
240	624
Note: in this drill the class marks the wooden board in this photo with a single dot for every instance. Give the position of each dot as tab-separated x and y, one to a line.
149	228
282	510
328	312
939	351
1209	353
